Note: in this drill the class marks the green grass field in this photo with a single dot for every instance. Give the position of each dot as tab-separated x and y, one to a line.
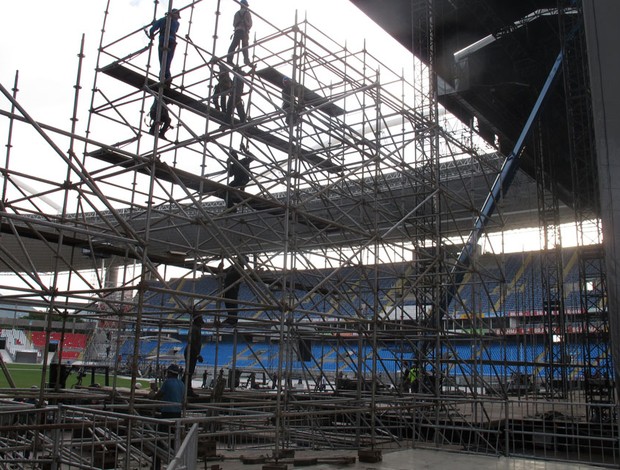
27	375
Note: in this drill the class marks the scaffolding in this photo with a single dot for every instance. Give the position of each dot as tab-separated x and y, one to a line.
340	254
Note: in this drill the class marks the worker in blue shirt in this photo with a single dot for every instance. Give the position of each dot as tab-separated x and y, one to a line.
172	390
167	44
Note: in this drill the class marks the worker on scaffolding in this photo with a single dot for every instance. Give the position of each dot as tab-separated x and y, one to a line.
164	118
412	379
404	377
222	89
239	168
292	97
242	23
235	99
232	284
238	172
167	43
192	352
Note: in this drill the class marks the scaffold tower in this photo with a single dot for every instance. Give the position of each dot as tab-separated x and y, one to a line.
312	207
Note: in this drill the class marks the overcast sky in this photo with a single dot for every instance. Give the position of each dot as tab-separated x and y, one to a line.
41	39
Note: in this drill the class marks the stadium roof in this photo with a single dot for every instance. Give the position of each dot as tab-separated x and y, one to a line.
492	58
334	216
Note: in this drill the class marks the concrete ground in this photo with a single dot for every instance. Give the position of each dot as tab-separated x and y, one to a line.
408	459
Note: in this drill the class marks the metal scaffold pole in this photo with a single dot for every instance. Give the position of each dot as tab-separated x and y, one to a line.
292	219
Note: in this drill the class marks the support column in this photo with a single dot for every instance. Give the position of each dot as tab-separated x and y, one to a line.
602	36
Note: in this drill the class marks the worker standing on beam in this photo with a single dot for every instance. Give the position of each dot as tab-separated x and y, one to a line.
239	168
167	43
232	284
164	119
192	352
238	173
242	22
292	100
222	89
235	99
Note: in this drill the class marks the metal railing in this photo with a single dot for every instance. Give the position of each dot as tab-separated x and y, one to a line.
90	436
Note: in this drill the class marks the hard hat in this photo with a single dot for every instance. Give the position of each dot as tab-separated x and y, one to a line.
175	11
244	2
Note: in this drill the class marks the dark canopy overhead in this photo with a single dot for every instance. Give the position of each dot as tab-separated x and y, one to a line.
497	81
